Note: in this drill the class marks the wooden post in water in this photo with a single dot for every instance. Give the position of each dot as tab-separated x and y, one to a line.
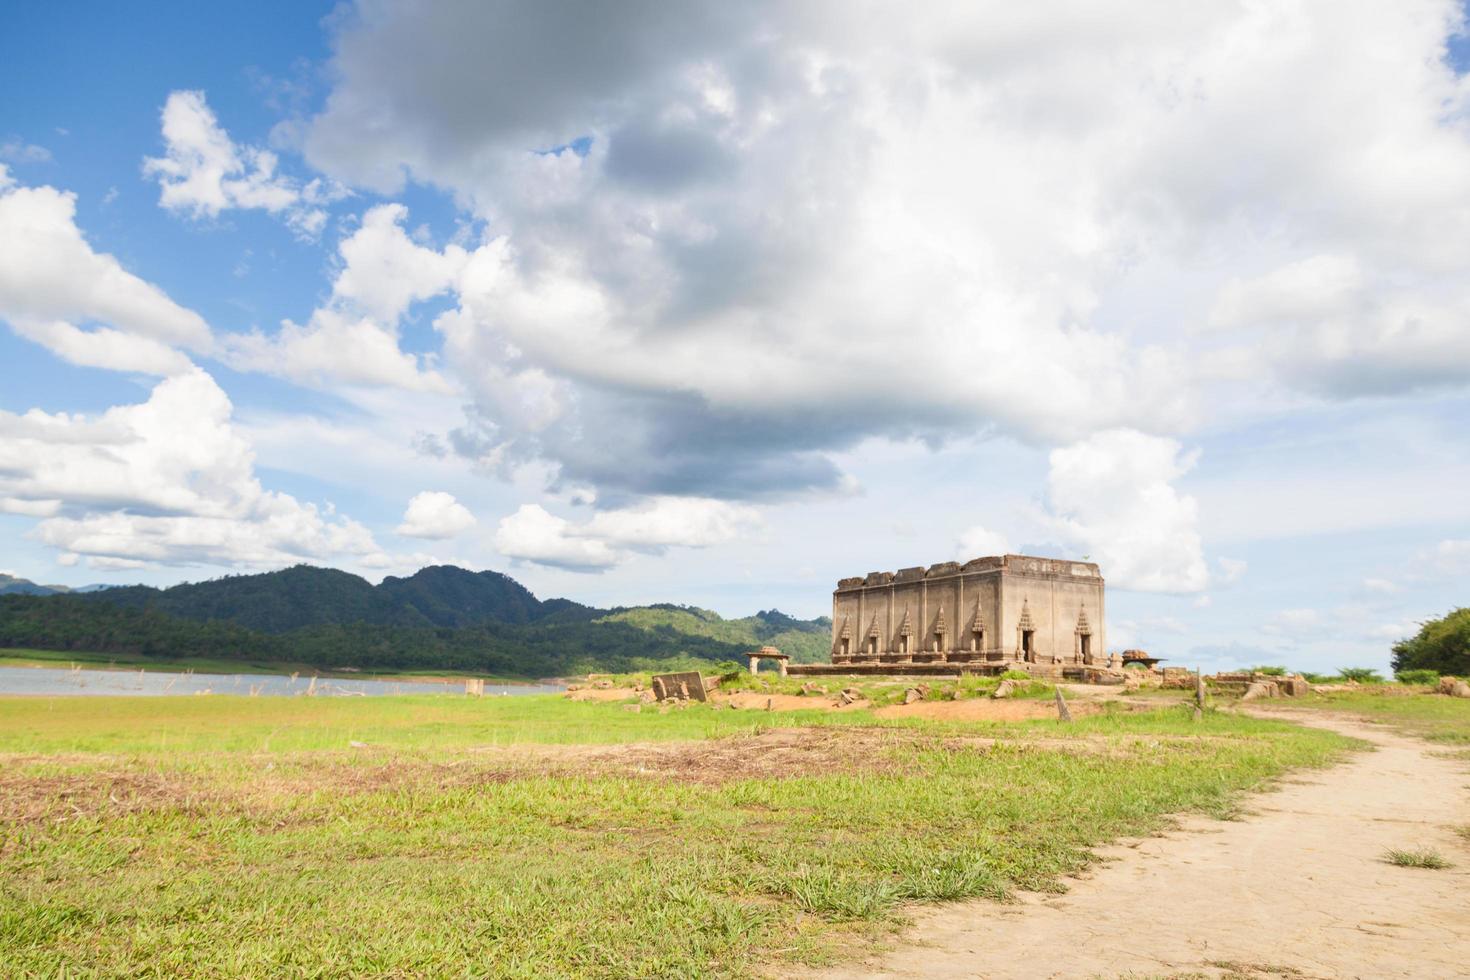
1062	713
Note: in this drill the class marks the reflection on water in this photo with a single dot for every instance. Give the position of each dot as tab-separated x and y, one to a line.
78	680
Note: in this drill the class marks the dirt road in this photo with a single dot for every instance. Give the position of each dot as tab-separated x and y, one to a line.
1297	889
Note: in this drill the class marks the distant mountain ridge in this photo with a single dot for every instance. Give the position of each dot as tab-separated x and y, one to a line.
442	616
304	595
15	585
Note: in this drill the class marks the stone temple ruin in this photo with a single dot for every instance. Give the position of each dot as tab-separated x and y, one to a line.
1043	615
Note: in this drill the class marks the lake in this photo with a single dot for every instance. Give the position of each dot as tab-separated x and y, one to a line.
86	681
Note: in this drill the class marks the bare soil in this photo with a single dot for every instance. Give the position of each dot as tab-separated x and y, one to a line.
132	786
984	709
1298	888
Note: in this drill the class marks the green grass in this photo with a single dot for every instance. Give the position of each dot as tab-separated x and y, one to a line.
1431	716
242	837
880	690
17	657
1423	857
215	724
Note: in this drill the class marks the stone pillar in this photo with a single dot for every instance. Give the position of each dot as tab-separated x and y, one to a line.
755	663
781	666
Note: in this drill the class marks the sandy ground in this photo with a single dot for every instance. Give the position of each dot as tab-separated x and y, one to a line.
1297	889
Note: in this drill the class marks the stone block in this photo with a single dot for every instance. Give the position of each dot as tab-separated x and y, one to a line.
685	685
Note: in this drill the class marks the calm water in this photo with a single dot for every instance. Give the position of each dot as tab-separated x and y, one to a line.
62	680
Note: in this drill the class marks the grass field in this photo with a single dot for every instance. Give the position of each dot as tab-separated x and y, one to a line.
534	836
1409	708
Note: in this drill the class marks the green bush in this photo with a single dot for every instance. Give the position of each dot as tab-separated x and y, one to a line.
1270	671
1441	645
1015	675
1417	676
1363	675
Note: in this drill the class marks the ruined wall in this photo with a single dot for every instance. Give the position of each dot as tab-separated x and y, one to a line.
915	612
925	614
1053	594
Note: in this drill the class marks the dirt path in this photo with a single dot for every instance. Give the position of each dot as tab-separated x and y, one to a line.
1297	889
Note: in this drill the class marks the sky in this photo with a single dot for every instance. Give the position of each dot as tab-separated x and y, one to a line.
718	303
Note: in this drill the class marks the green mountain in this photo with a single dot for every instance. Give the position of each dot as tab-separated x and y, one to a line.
304	595
442	617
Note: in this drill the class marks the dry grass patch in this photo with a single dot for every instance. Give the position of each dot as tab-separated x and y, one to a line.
1420	857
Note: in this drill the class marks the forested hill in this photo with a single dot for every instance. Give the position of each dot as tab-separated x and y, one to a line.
442	617
278	602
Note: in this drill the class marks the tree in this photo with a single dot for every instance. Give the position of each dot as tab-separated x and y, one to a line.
1442	645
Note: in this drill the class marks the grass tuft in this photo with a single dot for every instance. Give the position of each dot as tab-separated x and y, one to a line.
1423	857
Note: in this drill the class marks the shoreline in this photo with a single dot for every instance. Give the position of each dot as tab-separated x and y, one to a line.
131	663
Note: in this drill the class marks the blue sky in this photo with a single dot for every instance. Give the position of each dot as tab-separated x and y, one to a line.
796	295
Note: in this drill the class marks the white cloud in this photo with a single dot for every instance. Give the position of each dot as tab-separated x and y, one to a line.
1382	586
665	522
332	347
915	223
435	514
19	151
611	537
1293	622
384	271
1393	631
81	304
1231	570
203	172
535	535
1111	497
167	481
353	338
979	542
1450	557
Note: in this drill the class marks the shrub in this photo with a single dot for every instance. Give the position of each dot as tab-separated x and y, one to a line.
1270	671
1363	675
1312	678
1417	676
1441	644
1015	675
1423	857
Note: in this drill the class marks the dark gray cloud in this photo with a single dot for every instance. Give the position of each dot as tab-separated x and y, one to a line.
448	81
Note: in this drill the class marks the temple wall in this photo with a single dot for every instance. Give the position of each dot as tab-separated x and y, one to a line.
859	608
1055	600
1054	591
